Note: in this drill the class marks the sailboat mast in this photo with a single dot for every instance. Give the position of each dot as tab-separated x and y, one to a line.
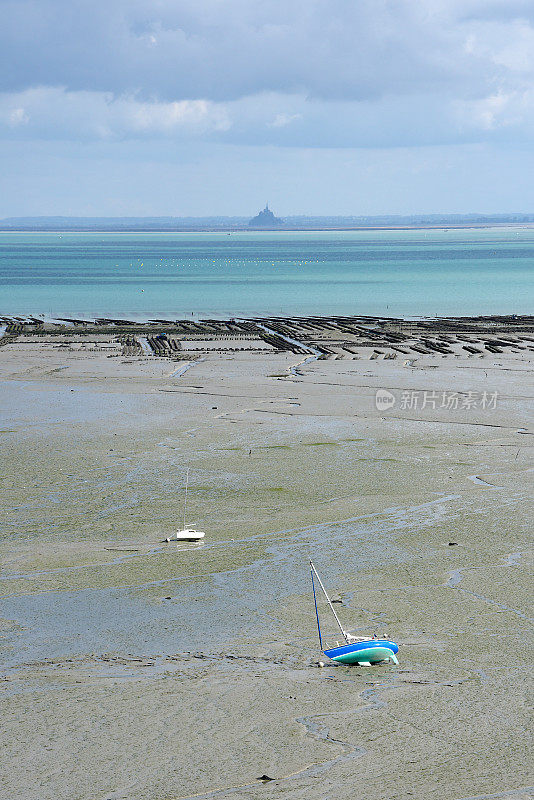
328	601
316	610
185	501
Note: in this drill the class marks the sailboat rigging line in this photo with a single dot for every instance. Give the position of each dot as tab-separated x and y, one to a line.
316	611
328	601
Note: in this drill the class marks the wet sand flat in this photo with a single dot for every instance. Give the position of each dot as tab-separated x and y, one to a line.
137	669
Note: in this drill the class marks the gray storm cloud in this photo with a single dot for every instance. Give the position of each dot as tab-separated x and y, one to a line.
333	49
314	72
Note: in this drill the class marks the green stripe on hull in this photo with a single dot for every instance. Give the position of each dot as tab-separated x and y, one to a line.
371	655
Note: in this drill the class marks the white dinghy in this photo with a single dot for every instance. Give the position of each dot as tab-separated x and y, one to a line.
186	534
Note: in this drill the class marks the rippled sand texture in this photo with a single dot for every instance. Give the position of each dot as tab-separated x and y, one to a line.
139	670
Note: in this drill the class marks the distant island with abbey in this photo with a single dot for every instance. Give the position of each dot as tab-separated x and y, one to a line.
265	219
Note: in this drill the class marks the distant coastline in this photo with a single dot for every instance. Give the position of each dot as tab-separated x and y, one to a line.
238	224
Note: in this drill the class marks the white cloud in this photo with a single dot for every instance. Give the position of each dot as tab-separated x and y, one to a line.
52	112
502	110
267	118
281	120
193	115
490	111
509	45
18	116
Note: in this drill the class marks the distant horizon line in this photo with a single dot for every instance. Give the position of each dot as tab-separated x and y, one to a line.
421	215
237	223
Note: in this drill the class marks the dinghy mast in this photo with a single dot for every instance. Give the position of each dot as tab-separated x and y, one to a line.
185	501
314	571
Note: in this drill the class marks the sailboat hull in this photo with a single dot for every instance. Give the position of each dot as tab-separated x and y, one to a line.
371	652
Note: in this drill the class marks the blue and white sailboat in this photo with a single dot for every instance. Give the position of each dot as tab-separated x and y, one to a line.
356	650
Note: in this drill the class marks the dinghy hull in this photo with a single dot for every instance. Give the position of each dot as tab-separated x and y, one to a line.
371	652
186	535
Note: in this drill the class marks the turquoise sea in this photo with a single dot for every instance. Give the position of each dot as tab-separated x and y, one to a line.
146	275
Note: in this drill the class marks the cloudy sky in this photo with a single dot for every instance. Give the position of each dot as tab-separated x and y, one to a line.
196	107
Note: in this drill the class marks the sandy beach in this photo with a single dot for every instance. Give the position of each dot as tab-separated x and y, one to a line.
138	670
